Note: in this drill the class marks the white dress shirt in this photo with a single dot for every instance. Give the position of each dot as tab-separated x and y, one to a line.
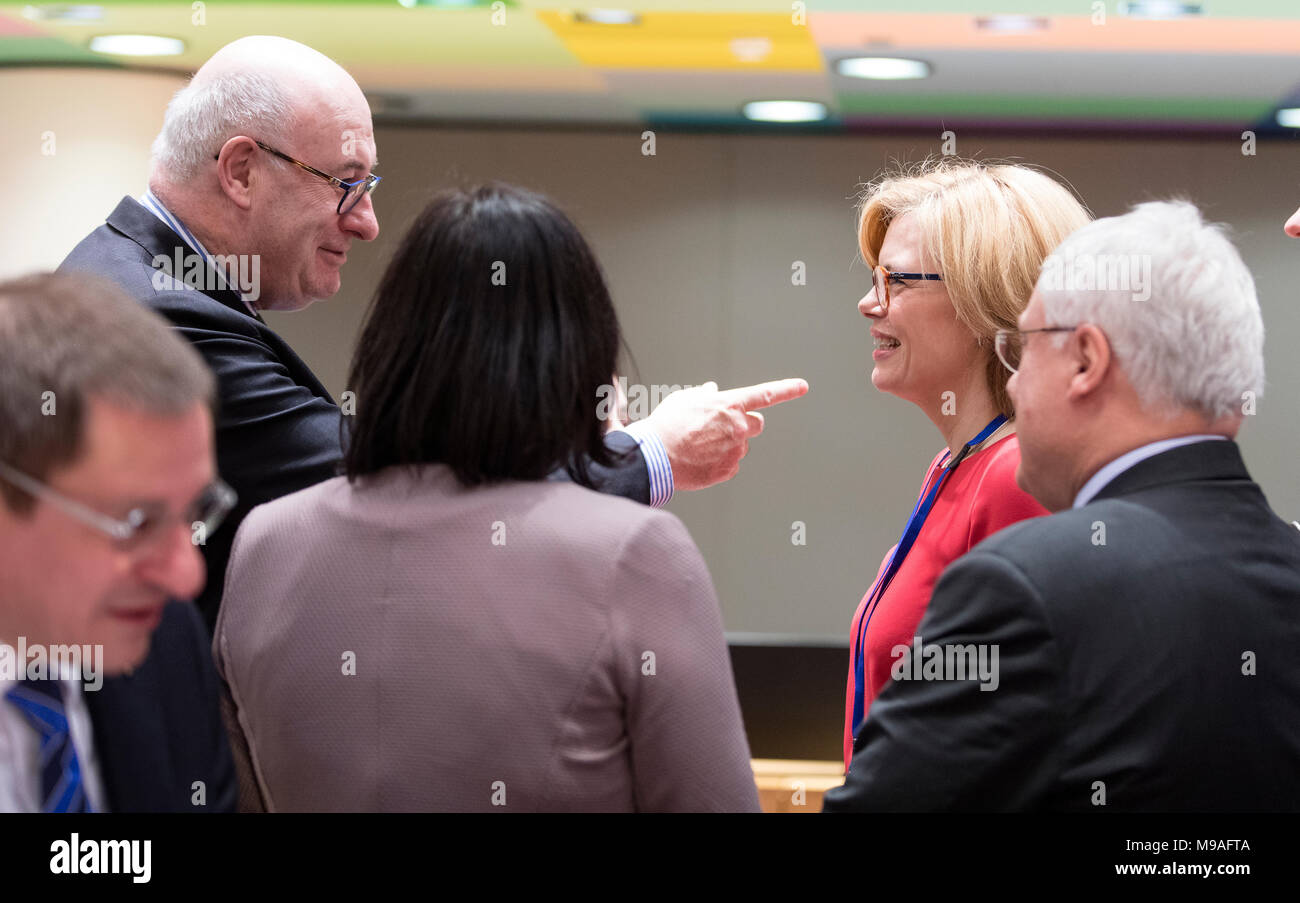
20	747
1102	477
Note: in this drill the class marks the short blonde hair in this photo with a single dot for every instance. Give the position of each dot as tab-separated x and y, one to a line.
989	227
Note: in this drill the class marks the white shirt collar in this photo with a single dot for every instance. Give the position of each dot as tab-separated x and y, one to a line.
1103	476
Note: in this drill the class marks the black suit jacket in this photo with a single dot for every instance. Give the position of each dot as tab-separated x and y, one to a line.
158	730
277	429
1121	666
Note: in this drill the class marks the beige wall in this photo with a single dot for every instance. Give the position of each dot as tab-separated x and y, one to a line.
698	243
75	140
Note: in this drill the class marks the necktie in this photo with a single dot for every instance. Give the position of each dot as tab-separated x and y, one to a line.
61	786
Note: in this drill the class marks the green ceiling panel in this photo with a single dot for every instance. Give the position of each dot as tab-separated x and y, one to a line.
52	51
1035	107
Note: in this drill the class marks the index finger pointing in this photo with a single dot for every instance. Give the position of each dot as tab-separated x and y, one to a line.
764	395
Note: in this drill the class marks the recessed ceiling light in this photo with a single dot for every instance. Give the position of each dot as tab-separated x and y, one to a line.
70	13
1289	118
882	67
1158	9
1011	24
785	111
136	45
607	17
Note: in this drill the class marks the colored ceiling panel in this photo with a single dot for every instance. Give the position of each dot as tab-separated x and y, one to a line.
480	78
1026	108
697	61
723	94
1067	73
1241	9
17	26
1222	9
669	6
856	31
391	33
52	51
504	106
706	41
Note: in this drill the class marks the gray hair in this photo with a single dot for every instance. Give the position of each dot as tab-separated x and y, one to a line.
207	112
1174	298
65	339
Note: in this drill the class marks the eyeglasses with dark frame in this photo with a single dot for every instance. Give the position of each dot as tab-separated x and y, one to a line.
1010	343
881	279
353	191
142	526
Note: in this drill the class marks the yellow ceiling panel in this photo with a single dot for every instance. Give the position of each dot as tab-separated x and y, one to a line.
673	6
720	41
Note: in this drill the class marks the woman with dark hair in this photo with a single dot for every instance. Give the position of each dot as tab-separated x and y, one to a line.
444	628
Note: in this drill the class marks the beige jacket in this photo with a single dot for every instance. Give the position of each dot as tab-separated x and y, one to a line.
409	644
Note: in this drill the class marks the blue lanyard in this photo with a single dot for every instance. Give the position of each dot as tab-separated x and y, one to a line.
914	524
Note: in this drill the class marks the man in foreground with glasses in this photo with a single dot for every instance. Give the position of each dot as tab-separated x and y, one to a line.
107	486
1146	631
260	183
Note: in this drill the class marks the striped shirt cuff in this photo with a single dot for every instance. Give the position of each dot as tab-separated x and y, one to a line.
656	462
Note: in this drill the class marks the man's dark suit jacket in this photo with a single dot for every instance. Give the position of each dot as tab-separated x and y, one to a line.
158	730
1158	671
277	429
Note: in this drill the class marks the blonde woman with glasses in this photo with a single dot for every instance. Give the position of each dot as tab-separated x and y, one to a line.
955	248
